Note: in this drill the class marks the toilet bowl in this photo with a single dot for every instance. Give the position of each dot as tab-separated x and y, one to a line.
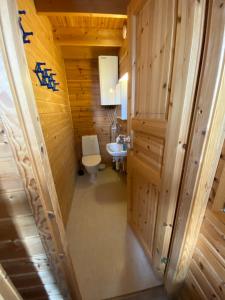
91	155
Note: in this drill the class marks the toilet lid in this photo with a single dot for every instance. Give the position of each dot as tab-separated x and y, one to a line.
91	160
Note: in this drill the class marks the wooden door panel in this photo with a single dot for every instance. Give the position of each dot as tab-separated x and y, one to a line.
165	38
155	40
148	141
153	127
143	210
154	52
149	150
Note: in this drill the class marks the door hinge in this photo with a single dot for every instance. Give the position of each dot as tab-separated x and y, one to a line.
164	260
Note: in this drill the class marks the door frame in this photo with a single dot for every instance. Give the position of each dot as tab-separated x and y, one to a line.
188	44
206	140
22	110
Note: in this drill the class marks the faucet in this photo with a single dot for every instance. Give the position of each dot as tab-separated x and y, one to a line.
124	140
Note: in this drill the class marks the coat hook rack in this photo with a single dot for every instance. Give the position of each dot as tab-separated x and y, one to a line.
53	82
45	79
54	86
39	72
25	34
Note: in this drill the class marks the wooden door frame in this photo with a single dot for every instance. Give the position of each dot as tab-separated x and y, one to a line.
188	37
20	113
204	149
7	289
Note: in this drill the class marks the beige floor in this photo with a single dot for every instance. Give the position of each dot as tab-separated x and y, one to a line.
106	255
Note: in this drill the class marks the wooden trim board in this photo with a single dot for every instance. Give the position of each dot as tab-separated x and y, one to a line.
7	289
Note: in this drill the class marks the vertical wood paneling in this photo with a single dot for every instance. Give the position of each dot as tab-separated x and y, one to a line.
124	58
154	43
53	107
143	210
123	68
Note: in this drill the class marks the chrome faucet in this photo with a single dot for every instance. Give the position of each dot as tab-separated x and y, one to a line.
123	139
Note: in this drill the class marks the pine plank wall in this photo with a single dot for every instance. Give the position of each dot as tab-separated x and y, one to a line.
206	276
53	107
21	251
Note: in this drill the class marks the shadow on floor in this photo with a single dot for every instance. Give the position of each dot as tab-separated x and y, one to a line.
110	193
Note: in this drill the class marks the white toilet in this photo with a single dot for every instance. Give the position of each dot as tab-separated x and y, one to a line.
91	155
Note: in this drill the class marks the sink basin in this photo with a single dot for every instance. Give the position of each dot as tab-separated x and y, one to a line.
116	150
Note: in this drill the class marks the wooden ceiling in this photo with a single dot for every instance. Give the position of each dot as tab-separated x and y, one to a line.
85	6
87	21
87	30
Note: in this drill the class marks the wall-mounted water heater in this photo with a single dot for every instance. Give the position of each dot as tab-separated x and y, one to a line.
108	77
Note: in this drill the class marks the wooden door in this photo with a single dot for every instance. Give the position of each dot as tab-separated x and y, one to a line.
165	39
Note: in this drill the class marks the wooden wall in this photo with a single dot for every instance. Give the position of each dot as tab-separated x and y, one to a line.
53	107
124	58
206	276
21	251
89	117
123	68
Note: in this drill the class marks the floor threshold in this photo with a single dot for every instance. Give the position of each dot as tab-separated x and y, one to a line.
156	293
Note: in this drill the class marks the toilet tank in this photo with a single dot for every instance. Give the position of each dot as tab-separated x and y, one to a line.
90	145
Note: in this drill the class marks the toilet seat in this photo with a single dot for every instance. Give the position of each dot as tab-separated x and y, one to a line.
91	160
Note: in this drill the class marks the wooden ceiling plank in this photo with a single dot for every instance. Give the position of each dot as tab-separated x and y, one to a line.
82	14
118	7
70	52
70	36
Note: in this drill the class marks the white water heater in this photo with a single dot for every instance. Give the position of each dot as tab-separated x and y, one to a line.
108	77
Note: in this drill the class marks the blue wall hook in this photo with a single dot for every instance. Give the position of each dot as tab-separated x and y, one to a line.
54	86
25	34
53	82
45	78
39	72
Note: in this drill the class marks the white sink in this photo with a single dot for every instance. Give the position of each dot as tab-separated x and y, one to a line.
116	150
